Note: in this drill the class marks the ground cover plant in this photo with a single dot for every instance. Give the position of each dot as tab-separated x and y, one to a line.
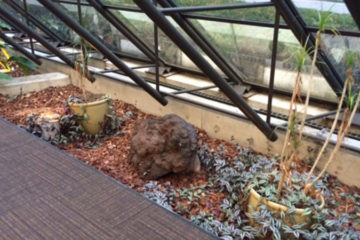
216	197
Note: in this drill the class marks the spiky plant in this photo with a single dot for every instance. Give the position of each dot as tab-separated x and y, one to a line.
323	20
291	142
351	58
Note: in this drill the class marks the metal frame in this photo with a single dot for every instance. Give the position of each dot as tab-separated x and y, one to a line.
290	14
164	24
14	22
99	46
182	16
354	8
123	29
19	48
203	43
17	8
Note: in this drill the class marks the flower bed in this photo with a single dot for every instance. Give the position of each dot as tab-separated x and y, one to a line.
215	198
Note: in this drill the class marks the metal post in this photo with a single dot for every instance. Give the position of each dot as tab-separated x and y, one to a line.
28	23
292	17
19	48
156	45
273	65
122	28
203	43
164	24
7	17
33	20
354	8
93	40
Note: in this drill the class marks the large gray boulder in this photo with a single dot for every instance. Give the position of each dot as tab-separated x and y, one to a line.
164	145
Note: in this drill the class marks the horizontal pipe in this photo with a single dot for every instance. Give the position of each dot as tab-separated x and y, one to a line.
90	38
12	20
214	7
19	48
164	24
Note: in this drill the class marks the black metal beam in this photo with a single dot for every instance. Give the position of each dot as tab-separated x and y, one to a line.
94	41
33	20
215	7
7	17
19	48
273	66
293	18
333	112
122	28
354	8
164	24
203	43
194	89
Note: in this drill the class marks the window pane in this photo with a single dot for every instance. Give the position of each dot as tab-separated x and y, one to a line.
339	19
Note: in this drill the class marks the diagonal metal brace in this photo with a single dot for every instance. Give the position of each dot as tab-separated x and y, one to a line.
98	45
164	24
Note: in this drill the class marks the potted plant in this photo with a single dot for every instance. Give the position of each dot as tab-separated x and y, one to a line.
92	108
289	187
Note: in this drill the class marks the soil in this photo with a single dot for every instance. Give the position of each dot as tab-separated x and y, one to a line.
112	156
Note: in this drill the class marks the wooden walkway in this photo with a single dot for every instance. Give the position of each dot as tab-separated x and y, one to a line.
47	194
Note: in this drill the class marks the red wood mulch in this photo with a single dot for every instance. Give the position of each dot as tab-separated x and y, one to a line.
112	156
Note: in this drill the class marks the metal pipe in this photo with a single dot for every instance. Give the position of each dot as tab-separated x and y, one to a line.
273	66
164	24
156	49
215	7
122	28
292	17
323	115
19	48
204	44
194	90
354	9
33	20
7	17
73	24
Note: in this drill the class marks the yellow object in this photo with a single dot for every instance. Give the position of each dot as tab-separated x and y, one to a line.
95	112
6	67
290	219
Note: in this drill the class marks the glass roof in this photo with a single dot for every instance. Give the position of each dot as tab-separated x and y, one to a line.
243	37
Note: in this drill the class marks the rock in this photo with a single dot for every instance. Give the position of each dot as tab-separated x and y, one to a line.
164	145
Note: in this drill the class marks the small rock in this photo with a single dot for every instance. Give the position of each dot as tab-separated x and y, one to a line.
164	145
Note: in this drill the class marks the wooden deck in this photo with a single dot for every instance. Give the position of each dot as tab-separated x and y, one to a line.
47	194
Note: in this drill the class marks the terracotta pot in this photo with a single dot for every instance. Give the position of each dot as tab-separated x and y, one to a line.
95	111
296	218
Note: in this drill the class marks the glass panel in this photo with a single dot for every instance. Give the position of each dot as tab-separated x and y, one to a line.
123	3
285	73
248	48
340	18
48	19
337	48
143	27
100	27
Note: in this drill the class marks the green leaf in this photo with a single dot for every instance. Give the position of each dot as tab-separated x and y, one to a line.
5	76
25	64
307	212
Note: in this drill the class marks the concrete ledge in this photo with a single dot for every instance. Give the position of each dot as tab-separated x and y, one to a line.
21	85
